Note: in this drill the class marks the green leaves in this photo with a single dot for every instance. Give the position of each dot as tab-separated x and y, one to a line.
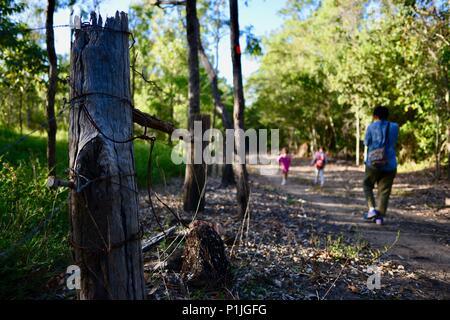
253	42
335	58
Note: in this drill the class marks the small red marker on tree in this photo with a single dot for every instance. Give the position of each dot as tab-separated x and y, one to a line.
238	49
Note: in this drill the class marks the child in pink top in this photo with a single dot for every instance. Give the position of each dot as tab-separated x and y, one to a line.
285	162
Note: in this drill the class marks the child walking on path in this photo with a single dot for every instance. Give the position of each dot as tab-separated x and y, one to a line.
285	162
319	161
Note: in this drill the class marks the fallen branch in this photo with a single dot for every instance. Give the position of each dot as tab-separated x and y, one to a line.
146	120
147	245
168	3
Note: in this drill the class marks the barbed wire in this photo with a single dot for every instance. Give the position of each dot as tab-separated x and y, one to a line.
144	136
72	28
22	30
68	104
153	83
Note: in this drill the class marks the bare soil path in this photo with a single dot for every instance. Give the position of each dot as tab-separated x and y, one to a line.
417	229
304	242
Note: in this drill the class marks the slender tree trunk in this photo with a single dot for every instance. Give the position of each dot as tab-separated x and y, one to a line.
195	177
240	169
447	107
133	75
442	116
193	33
104	205
227	173
29	108
448	151
52	86
358	139
11	113
438	147
20	112
314	142
333	137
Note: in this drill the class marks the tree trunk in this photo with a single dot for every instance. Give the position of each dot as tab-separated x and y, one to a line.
105	232
240	169
227	171
448	151
314	142
195	177
333	137
358	138
193	33
438	148
447	107
133	75
20	113
51	92
29	107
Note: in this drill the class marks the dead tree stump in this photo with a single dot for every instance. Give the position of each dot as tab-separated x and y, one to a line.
205	263
105	232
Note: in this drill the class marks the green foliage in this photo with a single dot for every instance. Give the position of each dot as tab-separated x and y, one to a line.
389	64
33	229
335	60
22	66
160	55
253	43
162	165
33	219
338	249
17	148
34	147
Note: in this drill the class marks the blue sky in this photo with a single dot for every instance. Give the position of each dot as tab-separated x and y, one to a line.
262	14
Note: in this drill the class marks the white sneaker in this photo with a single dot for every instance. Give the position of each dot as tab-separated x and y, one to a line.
283	182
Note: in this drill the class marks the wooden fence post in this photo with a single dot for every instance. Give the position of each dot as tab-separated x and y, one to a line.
105	235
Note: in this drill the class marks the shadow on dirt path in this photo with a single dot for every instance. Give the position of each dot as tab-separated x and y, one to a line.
417	227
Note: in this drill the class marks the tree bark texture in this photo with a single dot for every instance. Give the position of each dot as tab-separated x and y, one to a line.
240	169
205	263
195	177
227	171
193	33
149	121
105	232
51	91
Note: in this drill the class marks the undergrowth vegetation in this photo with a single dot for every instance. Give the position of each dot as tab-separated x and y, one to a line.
34	224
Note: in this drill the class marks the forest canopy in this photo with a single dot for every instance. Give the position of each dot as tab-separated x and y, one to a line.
332	62
320	74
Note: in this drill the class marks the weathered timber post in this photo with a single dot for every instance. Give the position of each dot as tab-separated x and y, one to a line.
105	232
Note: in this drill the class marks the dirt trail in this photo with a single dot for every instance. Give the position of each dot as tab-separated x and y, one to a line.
304	242
418	224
